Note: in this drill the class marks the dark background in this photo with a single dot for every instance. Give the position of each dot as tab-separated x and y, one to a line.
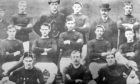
90	7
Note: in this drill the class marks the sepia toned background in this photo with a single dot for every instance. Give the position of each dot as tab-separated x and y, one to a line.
90	7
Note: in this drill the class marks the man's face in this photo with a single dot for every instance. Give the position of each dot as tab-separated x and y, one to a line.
22	7
44	30
11	32
99	32
2	13
77	8
70	25
128	9
28	62
110	60
54	7
76	58
129	35
104	12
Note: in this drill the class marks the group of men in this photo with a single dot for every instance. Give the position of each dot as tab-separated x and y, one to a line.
105	52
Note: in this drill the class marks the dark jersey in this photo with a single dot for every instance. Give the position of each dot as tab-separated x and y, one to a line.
96	47
23	76
131	47
22	20
82	25
112	75
73	36
8	48
79	73
38	48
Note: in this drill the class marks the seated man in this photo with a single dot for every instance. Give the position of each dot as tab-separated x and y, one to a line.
98	49
113	73
27	74
129	50
44	49
11	49
69	41
75	73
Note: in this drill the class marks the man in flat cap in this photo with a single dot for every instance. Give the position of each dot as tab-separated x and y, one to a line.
110	26
127	20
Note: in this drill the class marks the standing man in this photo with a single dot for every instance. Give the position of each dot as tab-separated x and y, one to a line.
110	33
3	24
54	17
128	21
81	20
23	24
27	74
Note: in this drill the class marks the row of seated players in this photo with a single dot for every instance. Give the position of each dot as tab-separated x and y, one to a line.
45	49
75	73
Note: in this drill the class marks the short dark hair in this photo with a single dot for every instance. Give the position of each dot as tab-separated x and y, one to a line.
79	3
50	1
100	26
70	18
75	51
129	29
46	24
11	26
128	3
28	54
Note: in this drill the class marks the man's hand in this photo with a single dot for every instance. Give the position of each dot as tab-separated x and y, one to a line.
47	49
79	40
18	27
45	52
7	53
136	23
78	81
127	25
67	42
130	54
16	53
68	76
104	54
